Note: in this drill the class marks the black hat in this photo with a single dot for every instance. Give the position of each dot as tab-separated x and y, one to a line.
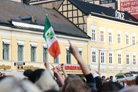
33	75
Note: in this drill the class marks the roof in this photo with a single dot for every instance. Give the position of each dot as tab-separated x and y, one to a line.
14	10
88	8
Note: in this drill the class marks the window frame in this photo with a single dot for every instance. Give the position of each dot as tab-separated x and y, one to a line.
134	54
3	43
96	55
33	44
94	27
67	48
134	35
21	43
110	52
110	31
127	35
119	52
102	29
35	56
127	58
119	32
47	60
103	51
22	53
57	58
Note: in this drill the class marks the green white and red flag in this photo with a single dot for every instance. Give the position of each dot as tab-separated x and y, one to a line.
50	37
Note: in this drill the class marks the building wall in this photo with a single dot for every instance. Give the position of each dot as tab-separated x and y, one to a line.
27	36
115	47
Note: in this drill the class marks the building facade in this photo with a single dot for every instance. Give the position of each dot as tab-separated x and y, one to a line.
22	43
113	44
112	48
24	49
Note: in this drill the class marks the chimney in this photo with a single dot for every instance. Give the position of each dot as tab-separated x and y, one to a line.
26	2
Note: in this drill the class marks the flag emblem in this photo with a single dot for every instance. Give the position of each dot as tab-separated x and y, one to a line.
50	37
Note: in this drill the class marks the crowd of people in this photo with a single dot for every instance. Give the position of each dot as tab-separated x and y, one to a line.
46	80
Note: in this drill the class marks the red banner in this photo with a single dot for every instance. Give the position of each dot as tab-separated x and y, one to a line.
72	68
131	6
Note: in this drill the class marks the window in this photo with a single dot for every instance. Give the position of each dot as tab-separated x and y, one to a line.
93	56
102	38
80	53
5	51
110	58
134	59
102	57
133	40
119	58
94	33
118	38
68	56
33	54
20	52
110	36
45	54
56	60
127	39
127	58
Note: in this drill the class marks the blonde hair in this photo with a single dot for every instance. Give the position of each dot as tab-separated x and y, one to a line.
46	82
76	85
16	85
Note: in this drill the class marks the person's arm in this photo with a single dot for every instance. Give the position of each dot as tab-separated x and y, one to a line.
76	54
64	72
60	78
89	77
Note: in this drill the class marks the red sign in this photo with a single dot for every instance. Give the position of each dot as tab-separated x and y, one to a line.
72	68
131	6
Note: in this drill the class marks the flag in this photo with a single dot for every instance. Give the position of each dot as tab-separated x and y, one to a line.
50	37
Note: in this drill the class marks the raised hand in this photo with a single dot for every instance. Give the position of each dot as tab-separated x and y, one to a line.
73	49
54	69
63	67
79	59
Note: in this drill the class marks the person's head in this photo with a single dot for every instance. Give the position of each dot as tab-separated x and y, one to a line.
110	87
75	84
130	89
33	76
111	77
16	85
42	78
46	82
103	77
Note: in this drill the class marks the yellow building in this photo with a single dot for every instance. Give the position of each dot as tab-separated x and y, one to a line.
112	48
22	43
113	45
